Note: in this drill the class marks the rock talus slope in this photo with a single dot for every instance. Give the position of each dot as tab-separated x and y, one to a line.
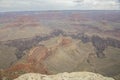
64	76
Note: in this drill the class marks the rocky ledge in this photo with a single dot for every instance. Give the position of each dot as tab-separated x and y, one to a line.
64	76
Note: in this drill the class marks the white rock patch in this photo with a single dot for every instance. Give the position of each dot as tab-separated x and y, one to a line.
64	76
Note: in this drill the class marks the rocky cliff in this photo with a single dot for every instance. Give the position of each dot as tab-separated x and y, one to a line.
67	54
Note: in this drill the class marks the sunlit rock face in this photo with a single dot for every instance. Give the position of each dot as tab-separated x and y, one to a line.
64	76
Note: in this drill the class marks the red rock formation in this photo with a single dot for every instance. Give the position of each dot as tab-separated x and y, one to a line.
34	60
23	21
37	54
65	41
15	70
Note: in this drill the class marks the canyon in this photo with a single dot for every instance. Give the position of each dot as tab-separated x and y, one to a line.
59	41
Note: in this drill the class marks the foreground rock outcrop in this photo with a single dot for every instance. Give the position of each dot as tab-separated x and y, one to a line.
64	76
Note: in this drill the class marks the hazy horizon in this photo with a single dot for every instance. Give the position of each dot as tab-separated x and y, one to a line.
52	11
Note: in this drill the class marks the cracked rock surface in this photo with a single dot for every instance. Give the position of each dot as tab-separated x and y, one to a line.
64	76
